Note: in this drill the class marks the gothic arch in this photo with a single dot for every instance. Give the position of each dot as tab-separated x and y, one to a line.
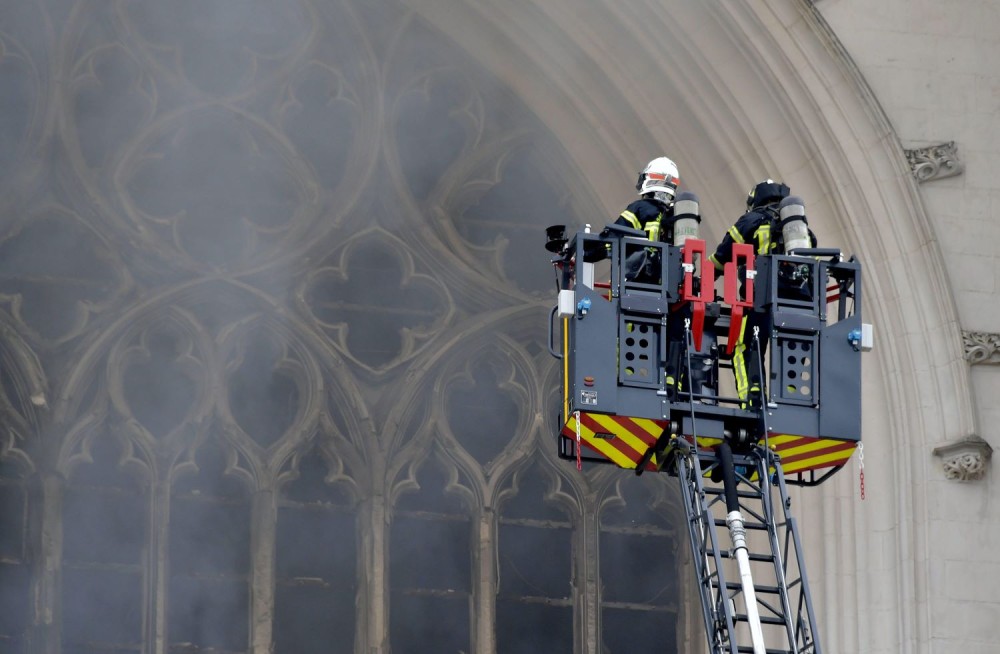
751	90
550	102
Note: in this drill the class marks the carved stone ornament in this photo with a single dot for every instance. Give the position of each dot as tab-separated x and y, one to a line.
981	347
965	459
935	161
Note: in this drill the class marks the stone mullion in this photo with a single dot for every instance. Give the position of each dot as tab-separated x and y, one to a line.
45	637
262	573
485	585
373	616
157	581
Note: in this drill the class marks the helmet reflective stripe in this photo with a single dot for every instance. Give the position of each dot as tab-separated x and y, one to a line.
660	174
662	177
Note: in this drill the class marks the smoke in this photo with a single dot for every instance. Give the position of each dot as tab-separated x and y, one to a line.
190	176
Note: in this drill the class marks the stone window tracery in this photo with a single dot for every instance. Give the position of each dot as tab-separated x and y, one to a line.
316	561
285	295
209	554
15	568
639	582
104	560
535	571
430	566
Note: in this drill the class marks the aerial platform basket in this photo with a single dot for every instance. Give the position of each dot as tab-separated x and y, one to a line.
643	348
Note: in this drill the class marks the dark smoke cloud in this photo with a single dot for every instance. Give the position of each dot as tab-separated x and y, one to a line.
205	150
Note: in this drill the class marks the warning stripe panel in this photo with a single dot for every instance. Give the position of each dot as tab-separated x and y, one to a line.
801	453
838	449
803	447
629	444
818	463
595	427
623	432
623	440
648	430
630	437
602	446
783	441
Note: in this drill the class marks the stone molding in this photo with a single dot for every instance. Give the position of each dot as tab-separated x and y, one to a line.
935	161
966	459
981	347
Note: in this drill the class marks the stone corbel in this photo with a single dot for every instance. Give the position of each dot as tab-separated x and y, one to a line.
966	459
935	161
981	347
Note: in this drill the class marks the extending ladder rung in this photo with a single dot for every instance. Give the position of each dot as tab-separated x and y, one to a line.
752	495
765	619
735	585
726	554
719	522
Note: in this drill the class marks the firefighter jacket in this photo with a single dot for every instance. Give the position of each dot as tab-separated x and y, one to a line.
650	216
759	227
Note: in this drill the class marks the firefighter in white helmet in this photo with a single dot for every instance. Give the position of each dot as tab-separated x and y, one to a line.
660	211
670	217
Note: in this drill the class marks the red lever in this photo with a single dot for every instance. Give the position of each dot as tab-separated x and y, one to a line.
706	291
742	253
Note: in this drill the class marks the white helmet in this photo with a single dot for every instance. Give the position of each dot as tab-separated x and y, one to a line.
660	175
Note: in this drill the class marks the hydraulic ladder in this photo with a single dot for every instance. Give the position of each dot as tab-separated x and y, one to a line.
771	613
642	393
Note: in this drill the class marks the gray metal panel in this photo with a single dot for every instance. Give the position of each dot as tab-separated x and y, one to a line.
593	353
651	304
707	427
840	377
797	321
642	403
793	419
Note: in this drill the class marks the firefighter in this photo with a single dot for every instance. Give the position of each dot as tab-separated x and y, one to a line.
774	223
669	217
654	213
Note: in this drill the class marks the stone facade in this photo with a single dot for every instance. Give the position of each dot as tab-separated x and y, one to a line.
929	65
273	294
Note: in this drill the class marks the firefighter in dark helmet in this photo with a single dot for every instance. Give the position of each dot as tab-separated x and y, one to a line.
774	223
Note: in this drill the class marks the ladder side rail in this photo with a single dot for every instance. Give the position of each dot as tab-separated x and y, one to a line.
761	490
805	624
764	463
696	529
736	526
716	604
799	601
725	624
726	601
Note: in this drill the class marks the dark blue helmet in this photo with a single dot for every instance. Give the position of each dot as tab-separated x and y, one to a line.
766	192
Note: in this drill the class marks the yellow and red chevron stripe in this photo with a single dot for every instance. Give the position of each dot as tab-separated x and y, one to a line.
620	439
623	440
801	453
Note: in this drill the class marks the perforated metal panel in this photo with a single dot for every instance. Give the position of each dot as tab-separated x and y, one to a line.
793	367
639	351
